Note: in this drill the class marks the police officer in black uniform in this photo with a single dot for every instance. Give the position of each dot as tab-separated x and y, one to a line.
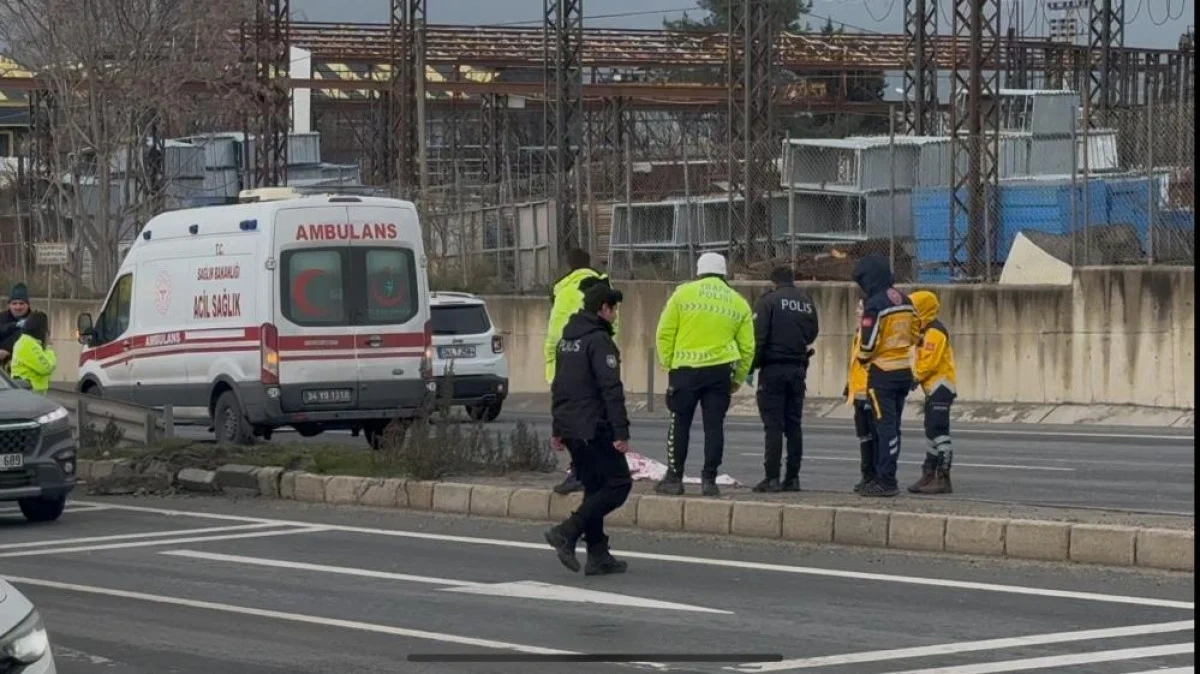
590	421
785	327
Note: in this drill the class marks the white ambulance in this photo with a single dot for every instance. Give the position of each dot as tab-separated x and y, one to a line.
302	311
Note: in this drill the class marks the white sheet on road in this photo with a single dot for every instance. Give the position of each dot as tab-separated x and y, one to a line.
645	468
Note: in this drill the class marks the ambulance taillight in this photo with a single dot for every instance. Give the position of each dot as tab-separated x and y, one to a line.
269	349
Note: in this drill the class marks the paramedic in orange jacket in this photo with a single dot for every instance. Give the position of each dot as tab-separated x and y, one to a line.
936	374
864	416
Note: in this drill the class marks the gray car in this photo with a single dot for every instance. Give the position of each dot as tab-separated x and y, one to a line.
24	646
37	453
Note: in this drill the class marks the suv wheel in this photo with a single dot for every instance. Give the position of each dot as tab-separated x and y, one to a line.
484	412
229	422
377	432
42	509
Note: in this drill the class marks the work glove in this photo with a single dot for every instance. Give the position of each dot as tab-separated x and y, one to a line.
846	391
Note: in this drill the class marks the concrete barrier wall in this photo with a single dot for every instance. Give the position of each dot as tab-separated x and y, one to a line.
1121	335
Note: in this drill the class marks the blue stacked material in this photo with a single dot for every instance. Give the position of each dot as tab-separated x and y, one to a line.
1041	206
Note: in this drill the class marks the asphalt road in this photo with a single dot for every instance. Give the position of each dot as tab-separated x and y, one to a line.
1135	469
191	585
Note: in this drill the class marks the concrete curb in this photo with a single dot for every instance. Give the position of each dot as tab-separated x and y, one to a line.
1038	540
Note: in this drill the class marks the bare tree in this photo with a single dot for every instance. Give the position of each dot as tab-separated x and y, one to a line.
117	77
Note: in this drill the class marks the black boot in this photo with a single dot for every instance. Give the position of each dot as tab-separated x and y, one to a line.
569	484
867	478
671	485
708	487
791	484
563	538
939	482
877	489
600	561
769	485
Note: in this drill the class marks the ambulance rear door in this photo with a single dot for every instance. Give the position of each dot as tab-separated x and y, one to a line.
390	298
314	333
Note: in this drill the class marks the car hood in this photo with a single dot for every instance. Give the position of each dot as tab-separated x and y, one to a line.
21	404
14	607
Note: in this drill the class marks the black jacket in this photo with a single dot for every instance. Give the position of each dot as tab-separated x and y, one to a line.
588	396
9	332
785	327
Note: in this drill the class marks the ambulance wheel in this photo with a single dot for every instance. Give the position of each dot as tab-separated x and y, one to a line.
229	422
485	413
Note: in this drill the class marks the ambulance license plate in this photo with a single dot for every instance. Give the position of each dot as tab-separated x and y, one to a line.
12	461
446	352
326	396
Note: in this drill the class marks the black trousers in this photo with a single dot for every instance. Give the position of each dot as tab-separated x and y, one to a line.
888	405
607	482
937	418
781	405
864	428
712	389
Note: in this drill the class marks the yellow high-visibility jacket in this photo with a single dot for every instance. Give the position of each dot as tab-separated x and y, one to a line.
33	362
566	300
706	323
935	356
856	376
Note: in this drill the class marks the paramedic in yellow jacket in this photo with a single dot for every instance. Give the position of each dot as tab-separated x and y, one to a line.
705	342
936	374
566	299
864	415
33	360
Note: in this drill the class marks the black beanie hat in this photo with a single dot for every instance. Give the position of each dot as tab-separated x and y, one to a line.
20	293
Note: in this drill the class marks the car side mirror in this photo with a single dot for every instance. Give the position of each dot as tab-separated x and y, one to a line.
85	329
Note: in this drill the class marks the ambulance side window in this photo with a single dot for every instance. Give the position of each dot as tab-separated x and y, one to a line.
114	319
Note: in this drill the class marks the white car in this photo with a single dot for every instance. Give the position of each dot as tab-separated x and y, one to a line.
24	645
467	348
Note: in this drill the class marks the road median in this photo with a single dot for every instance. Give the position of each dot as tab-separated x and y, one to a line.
911	524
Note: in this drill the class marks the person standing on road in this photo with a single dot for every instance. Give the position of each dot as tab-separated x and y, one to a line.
864	415
888	333
785	327
705	341
33	360
590	422
565	300
12	320
936	373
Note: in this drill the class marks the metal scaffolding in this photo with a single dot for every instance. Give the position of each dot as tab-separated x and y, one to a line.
974	138
272	64
1106	39
610	133
563	69
751	84
921	67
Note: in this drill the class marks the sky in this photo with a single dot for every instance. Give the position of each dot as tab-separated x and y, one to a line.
1150	23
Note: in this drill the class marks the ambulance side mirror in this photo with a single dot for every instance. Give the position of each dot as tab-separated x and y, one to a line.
83	325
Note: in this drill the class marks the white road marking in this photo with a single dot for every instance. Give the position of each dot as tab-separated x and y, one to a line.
121	537
517	590
290	617
530	589
706	561
301	618
1059	660
1055	469
169	541
71	508
968	647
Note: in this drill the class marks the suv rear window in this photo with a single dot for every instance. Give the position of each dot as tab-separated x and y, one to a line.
462	319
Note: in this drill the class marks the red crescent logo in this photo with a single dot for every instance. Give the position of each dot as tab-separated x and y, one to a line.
300	293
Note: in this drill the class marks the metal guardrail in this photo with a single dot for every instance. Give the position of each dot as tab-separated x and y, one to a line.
139	424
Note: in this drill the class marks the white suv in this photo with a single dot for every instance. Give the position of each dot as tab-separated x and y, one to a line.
467	348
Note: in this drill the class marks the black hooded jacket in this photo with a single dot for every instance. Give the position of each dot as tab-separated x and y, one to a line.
9	332
588	398
889	328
